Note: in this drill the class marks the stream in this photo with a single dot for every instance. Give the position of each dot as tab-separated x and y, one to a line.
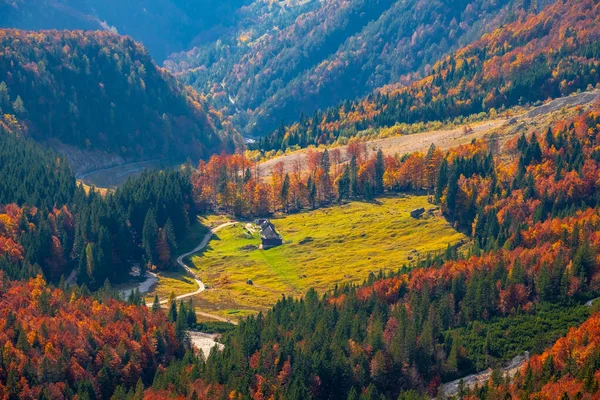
144	286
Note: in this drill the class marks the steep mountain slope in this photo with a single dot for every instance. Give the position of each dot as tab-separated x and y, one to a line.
163	26
553	53
339	50
101	90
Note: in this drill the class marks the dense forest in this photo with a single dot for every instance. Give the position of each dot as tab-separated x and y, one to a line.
49	225
61	343
335	51
547	55
102	91
534	220
163	26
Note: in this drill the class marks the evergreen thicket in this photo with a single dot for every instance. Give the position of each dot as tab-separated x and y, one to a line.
56	226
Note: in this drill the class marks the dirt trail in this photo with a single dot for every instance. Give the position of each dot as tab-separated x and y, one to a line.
192	274
443	139
451	388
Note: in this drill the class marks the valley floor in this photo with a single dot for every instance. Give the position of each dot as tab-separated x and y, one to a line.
322	248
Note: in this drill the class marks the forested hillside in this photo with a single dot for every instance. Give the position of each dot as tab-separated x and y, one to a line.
102	91
163	26
542	56
521	204
534	220
50	226
66	343
569	369
59	344
336	51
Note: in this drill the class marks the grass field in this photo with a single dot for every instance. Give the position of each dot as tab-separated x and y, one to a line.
321	248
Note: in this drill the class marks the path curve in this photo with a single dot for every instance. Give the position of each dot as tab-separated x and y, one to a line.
192	274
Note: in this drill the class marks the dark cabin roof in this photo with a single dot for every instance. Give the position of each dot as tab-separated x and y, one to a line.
266	223
269	233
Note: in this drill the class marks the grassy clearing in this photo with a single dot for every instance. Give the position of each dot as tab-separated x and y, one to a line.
322	248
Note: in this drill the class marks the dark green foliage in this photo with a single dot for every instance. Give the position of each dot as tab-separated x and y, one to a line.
33	175
101	90
489	342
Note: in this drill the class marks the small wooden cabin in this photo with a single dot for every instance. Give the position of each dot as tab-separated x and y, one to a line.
268	234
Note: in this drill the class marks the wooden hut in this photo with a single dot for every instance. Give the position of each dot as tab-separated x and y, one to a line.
268	235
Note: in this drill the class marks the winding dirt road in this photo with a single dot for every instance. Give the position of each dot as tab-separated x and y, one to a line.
192	274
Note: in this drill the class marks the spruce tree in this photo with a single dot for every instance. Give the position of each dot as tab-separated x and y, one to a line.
379	171
354	191
156	304
149	236
442	180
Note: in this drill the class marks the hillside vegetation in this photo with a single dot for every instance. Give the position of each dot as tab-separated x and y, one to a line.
536	57
163	26
493	140
100	90
569	367
331	52
65	344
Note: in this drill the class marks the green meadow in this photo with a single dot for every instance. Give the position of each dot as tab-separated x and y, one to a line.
336	245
